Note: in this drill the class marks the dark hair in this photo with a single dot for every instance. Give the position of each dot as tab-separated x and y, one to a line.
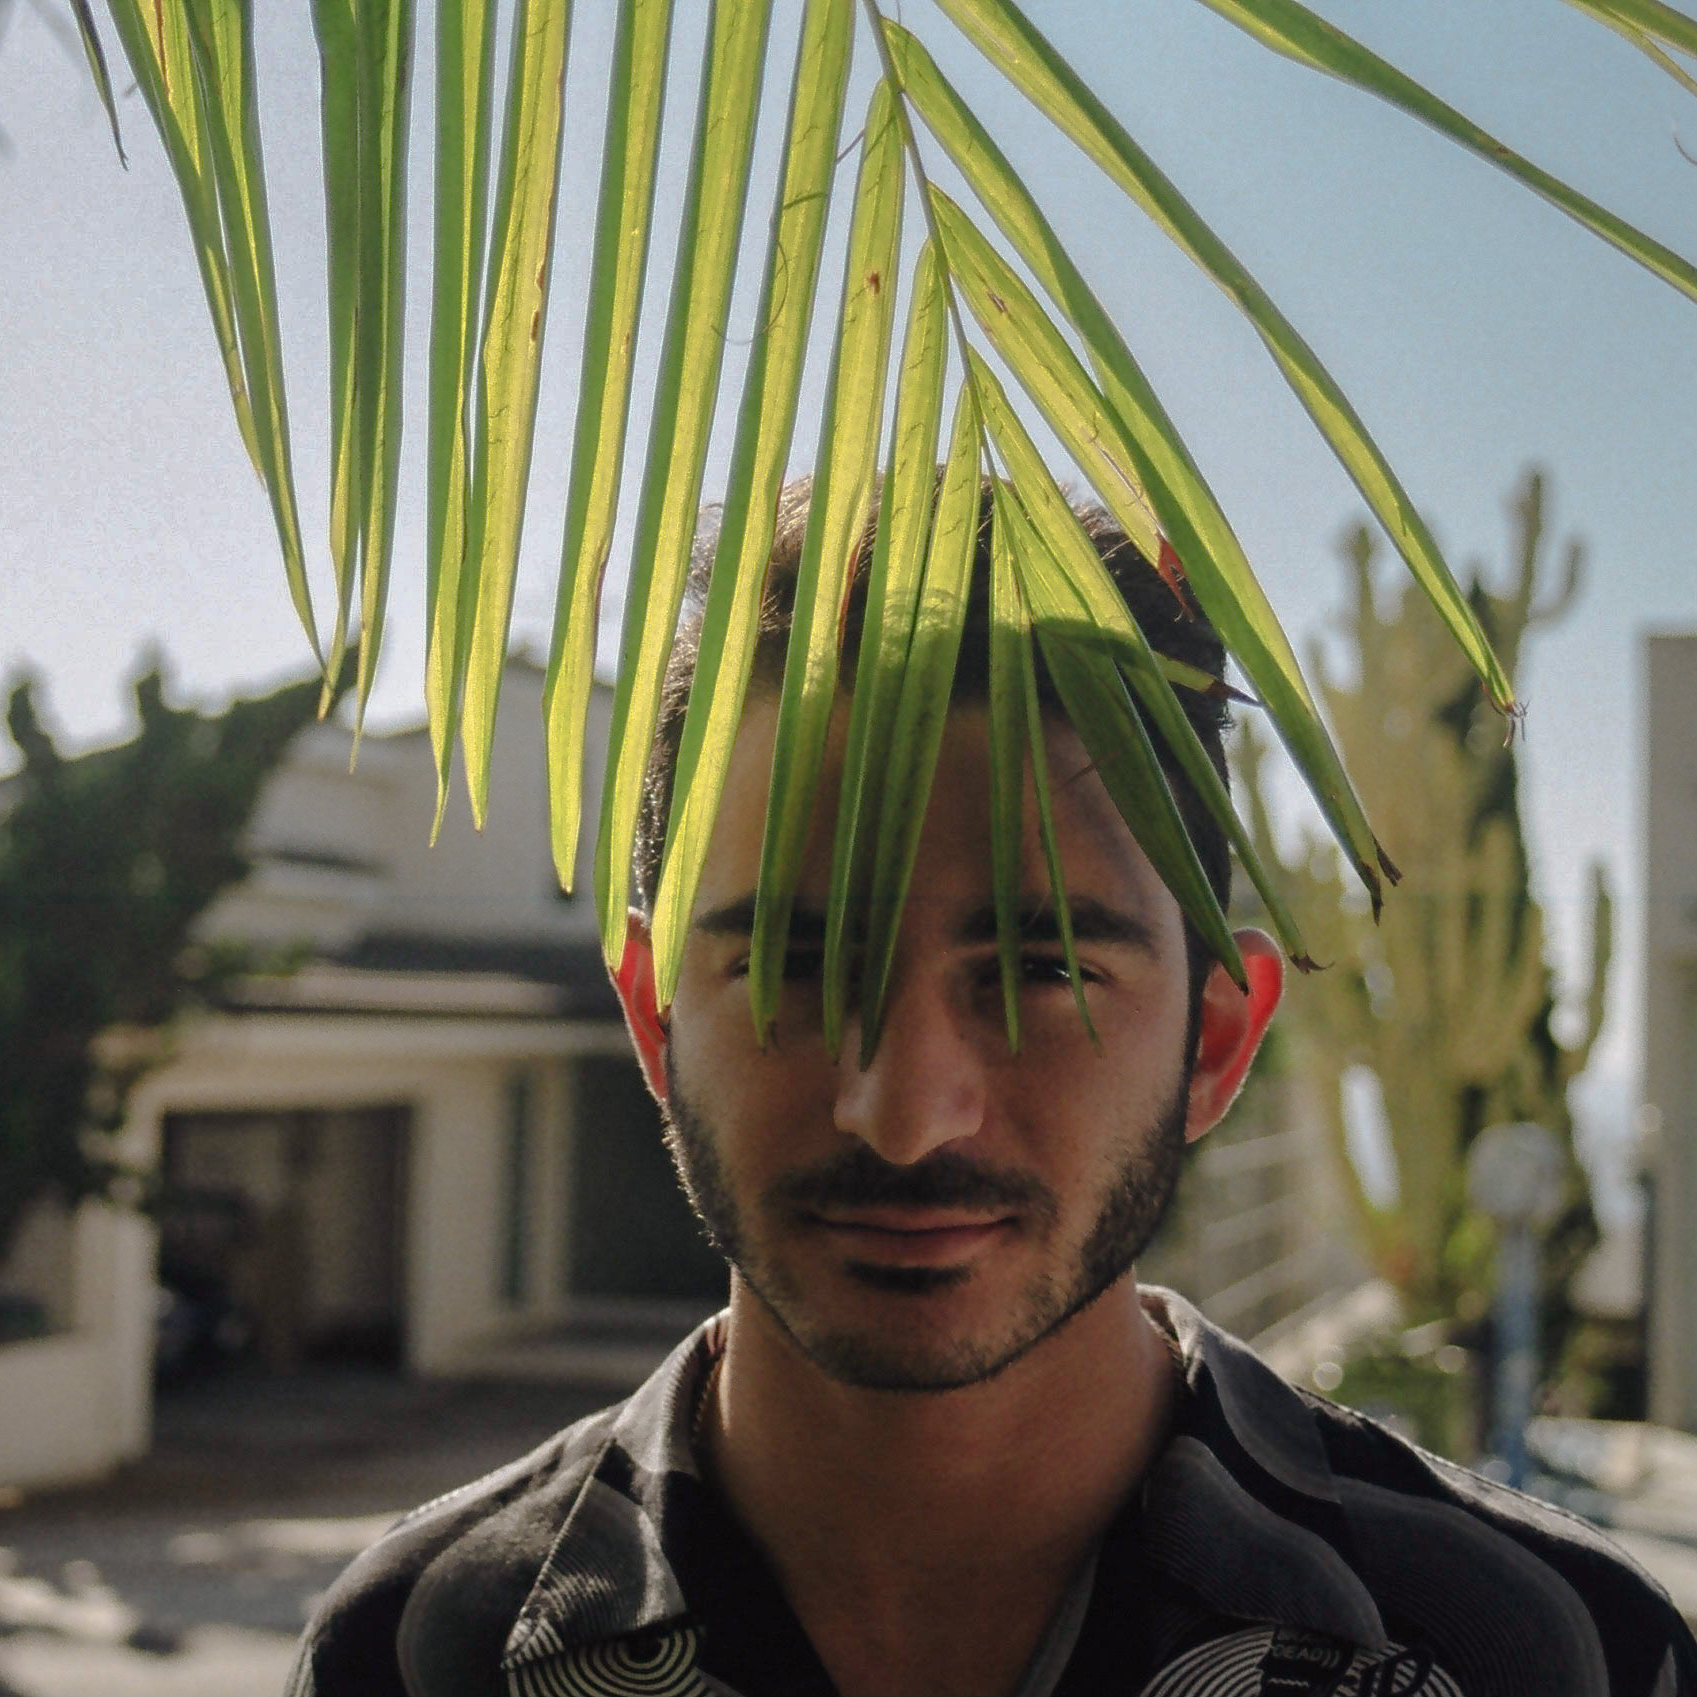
1171	626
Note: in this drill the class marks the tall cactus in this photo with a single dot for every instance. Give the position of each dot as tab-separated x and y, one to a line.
1449	999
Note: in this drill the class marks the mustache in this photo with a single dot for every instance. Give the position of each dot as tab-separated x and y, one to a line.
861	1178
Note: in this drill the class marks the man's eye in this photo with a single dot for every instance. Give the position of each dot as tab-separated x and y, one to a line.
799	964
1051	969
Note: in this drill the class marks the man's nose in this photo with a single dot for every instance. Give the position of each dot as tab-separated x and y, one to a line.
925	1084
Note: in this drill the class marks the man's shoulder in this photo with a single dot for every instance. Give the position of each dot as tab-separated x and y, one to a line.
1519	1582
485	1541
1274	1504
1390	1484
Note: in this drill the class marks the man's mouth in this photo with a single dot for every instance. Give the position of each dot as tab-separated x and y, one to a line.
913	1237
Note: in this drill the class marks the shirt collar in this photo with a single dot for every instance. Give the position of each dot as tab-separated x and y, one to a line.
1240	1506
606	1576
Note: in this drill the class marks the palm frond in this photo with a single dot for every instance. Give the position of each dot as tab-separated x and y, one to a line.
993	282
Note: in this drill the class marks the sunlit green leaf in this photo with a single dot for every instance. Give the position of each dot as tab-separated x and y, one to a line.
1653	18
1016	47
96	56
155	41
684	399
1079	601
221	37
765	428
385	86
910	755
1096	700
1648	24
340	76
1206	549
465	51
1050	373
521	251
1299	34
626	210
1124	427
1071	601
1027	732
842	493
894	576
1010	646
1048	548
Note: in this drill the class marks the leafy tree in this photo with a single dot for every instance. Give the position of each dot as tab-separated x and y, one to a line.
495	201
1449	1000
107	860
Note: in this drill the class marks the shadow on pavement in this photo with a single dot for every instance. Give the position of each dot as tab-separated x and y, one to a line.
193	1570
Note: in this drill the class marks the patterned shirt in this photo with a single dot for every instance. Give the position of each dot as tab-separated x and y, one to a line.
1279	1546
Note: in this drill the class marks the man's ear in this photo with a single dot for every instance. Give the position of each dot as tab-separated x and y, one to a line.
1230	1029
634	982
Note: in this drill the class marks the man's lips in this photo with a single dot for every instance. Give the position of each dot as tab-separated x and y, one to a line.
912	1236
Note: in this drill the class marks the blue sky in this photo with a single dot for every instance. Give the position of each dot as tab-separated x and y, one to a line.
1477	330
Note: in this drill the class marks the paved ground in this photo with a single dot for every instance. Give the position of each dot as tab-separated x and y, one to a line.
190	1573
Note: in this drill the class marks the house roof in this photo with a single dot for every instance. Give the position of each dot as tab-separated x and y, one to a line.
404	973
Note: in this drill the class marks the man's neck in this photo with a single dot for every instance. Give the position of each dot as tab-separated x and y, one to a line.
916	1532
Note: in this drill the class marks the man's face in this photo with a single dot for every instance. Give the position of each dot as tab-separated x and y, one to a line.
924	1222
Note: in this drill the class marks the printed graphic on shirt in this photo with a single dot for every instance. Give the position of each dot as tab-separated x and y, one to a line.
1279	1661
659	1664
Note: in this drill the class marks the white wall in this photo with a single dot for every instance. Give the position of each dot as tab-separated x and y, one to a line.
74	1406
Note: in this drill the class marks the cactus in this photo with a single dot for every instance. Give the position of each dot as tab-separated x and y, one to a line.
1449	999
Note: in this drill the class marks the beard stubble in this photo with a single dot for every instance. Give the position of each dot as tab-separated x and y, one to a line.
1130	1210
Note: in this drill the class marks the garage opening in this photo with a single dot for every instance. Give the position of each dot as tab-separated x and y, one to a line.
282	1236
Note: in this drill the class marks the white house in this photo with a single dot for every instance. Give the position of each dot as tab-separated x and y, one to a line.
429	1144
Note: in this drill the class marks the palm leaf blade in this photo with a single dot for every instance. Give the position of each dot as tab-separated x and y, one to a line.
385	84
340	43
1010	643
1650	26
1297	33
687	388
623	221
465	50
842	491
1009	39
1123	459
1654	18
155	41
907	757
1049	372
765	428
515	312
221	39
1051	552
96	56
1082	604
1029	735
894	578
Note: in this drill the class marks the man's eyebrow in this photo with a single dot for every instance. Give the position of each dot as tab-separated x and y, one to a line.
1093	921
736	919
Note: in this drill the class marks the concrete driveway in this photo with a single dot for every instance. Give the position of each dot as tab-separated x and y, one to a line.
190	1574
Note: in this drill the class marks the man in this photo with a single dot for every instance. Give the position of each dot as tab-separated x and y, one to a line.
940	1442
